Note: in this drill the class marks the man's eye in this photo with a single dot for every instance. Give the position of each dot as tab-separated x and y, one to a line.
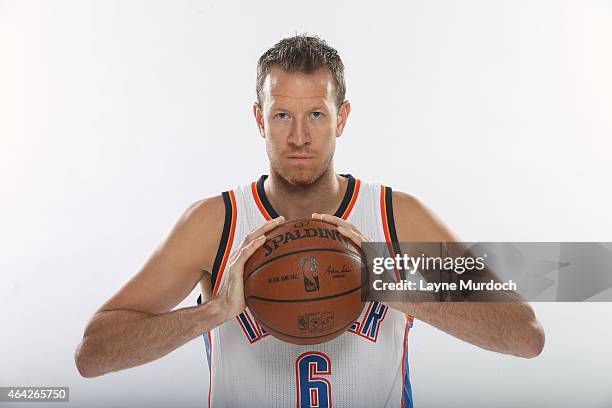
316	115
281	115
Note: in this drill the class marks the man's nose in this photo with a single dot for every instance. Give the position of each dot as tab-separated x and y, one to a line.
300	134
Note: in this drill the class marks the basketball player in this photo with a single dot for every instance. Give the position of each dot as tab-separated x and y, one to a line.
300	111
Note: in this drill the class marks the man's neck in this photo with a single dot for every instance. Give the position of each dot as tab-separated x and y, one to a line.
300	201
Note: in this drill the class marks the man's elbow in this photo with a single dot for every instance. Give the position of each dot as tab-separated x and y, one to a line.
84	363
536	339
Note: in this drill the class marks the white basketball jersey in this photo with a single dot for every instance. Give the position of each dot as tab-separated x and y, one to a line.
367	366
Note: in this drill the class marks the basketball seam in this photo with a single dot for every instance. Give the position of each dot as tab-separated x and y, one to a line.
304	300
350	254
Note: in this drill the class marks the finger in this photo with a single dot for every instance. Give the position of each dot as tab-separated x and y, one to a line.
246	252
262	229
354	236
254	234
337	221
233	257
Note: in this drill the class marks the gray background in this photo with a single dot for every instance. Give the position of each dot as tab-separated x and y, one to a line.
116	115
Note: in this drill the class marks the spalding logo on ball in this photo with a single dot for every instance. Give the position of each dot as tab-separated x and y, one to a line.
303	285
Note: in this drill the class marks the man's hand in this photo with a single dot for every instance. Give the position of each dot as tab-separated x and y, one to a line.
231	295
344	227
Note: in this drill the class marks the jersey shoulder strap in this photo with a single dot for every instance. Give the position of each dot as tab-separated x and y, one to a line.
225	242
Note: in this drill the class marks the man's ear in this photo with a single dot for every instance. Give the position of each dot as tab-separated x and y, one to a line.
343	114
259	118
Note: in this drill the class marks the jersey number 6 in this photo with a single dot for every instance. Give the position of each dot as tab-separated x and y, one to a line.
313	391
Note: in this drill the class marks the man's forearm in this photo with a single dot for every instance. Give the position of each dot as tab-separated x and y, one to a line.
505	327
119	339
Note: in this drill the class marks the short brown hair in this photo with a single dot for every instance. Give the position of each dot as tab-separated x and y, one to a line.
302	53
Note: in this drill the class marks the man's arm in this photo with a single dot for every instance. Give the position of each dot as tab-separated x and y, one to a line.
137	326
119	339
505	327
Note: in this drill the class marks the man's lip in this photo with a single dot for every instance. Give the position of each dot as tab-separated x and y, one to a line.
299	156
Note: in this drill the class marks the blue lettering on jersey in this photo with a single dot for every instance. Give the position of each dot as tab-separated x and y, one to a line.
368	328
313	391
371	323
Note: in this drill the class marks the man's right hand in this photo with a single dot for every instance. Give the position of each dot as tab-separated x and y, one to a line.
231	295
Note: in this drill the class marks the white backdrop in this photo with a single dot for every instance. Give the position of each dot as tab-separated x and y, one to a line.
116	115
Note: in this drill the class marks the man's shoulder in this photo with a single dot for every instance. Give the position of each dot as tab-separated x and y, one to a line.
209	210
408	209
407	203
416	222
200	228
203	219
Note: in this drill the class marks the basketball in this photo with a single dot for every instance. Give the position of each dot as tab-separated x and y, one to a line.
304	284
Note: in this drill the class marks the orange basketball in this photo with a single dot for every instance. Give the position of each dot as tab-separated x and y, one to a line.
304	284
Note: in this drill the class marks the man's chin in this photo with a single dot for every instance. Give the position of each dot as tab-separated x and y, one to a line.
301	178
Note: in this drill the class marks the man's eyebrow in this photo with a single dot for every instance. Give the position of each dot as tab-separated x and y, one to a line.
278	108
318	108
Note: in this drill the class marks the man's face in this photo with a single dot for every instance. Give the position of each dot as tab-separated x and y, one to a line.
300	122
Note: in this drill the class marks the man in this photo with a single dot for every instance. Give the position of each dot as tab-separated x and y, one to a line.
300	111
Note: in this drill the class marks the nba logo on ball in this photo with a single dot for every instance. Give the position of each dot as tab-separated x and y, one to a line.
308	265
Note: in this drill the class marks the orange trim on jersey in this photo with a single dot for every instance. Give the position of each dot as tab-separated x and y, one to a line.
227	249
349	208
385	222
258	201
268	217
383	213
228	245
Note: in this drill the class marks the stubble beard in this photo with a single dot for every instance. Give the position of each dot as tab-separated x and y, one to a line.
302	178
